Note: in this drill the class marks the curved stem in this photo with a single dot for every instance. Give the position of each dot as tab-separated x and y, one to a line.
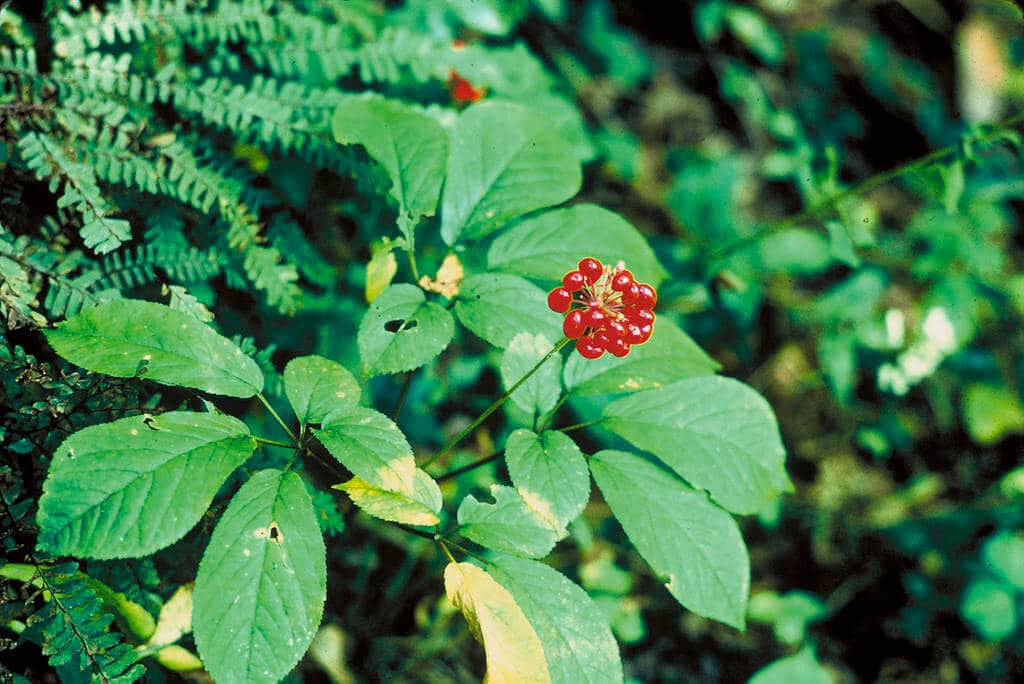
580	426
495	406
444	548
402	396
864	186
284	426
542	425
471	466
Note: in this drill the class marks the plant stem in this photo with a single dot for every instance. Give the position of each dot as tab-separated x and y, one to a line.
412	530
284	426
273	442
550	415
864	186
444	547
495	406
402	396
580	426
471	466
412	265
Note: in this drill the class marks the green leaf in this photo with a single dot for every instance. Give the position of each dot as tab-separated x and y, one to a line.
837	355
991	413
412	147
128	338
316	386
133	486
669	355
370	445
261	585
789	614
802	668
550	244
504	161
506	525
989	607
541	390
578	643
718	433
1004	554
693	545
497	307
550	474
402	330
421	508
514	652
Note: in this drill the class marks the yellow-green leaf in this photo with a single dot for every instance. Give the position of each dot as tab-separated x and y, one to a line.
419	509
513	649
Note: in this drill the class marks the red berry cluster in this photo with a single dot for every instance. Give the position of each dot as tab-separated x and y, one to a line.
614	310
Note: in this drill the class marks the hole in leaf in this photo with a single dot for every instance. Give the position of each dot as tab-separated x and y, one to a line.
275	533
399	325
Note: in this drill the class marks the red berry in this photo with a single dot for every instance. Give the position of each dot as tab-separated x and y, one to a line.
615	328
591	269
463	90
622	280
587	348
617	347
645	297
642	317
634	335
645	333
594	318
573	325
573	281
559	300
629	295
602	339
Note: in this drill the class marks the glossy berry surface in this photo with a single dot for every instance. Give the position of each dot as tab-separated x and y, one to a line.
605	309
461	89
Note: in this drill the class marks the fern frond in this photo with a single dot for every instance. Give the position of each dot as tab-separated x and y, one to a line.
80	191
73	628
125	270
66	294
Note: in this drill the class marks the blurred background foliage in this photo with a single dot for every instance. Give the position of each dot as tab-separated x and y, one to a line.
836	189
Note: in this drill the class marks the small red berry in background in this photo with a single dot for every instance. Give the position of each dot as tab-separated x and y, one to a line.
462	90
605	309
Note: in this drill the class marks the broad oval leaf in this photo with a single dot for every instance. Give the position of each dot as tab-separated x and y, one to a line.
549	245
128	338
542	389
802	668
505	525
133	486
694	545
574	632
718	433
549	473
422	507
262	582
402	330
498	306
504	161
316	387
513	649
370	445
411	146
669	355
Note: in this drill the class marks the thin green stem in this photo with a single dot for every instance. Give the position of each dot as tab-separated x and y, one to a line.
550	415
402	396
498	403
816	210
580	426
272	442
412	265
471	466
284	426
412	530
444	548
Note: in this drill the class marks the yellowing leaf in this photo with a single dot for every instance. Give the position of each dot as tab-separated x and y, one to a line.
379	272
175	618
514	652
448	280
421	508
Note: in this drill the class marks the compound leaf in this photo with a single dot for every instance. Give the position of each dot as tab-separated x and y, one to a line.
691	543
574	632
716	432
513	649
370	445
505	525
549	473
402	330
133	486
422	507
316	386
669	355
504	161
261	586
550	244
128	338
498	306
